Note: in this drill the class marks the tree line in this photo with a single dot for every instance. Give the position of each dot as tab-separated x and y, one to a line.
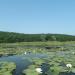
11	37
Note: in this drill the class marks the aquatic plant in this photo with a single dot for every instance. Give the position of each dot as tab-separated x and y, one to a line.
39	70
69	65
7	68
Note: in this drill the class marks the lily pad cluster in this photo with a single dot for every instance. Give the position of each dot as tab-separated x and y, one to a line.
57	64
7	68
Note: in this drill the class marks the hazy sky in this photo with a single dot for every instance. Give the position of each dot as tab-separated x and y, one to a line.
38	16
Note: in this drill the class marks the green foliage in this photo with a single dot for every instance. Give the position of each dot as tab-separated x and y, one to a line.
11	37
6	68
30	71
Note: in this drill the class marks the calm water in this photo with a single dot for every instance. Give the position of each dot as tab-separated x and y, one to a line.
22	62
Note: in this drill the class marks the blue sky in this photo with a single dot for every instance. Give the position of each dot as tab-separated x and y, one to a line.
38	16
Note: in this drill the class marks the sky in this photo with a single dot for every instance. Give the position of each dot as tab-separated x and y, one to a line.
38	16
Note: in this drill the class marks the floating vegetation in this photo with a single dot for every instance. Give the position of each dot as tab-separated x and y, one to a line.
59	60
7	68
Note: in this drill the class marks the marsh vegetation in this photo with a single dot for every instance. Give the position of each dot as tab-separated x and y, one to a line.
50	57
7	68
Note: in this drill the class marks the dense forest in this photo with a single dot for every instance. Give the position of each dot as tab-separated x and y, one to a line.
11	37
